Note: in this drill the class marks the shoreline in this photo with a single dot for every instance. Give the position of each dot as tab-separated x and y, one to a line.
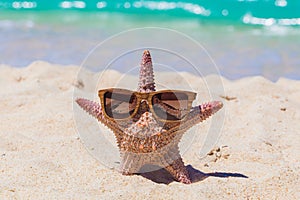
42	156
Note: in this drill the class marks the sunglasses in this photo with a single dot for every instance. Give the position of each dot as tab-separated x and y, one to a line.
165	105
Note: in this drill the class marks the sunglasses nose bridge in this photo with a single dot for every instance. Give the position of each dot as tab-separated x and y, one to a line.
144	97
144	102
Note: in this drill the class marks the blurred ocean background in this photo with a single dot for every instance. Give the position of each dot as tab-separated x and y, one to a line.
244	37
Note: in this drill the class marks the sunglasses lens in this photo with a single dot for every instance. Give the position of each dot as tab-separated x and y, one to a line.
170	105
119	104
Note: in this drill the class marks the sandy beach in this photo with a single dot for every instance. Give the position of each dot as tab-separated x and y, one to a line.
256	154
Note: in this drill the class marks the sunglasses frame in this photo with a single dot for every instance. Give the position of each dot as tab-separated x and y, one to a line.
145	96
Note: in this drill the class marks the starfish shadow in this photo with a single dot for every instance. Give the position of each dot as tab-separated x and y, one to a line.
162	176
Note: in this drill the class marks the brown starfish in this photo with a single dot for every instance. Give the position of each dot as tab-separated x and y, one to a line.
142	139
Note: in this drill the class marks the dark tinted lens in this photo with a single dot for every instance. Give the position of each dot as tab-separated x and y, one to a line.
119	104
170	105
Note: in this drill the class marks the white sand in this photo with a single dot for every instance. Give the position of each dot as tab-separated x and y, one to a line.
42	157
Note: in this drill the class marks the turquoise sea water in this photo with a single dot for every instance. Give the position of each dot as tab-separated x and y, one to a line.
243	37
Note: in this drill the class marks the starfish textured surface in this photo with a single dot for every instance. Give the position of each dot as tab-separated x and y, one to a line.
144	140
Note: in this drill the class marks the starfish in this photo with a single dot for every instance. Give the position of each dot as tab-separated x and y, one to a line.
144	140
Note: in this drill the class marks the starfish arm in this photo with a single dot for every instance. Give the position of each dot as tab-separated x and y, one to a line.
200	113
204	111
179	171
95	110
146	82
131	163
92	108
